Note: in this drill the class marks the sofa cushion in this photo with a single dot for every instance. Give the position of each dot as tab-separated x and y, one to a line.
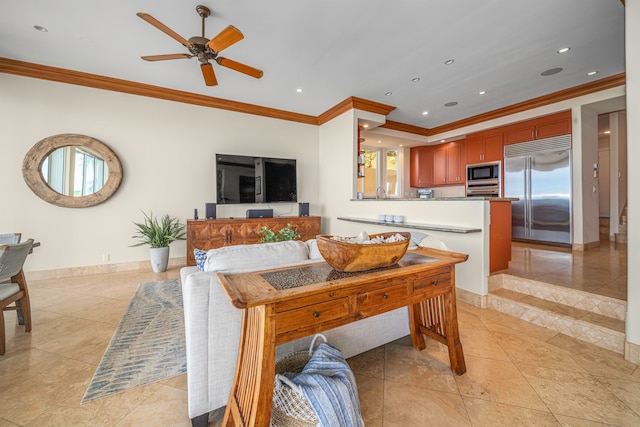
256	256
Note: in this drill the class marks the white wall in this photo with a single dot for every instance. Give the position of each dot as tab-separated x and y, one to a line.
583	162
632	28
167	151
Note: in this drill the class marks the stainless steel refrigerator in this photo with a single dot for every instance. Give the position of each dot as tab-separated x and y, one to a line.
539	174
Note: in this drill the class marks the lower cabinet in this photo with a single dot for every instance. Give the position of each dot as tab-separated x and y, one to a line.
208	234
499	236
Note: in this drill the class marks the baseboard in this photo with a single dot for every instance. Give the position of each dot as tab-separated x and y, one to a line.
471	298
99	269
632	352
585	246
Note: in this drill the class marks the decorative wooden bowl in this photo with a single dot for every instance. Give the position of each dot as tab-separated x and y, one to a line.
345	256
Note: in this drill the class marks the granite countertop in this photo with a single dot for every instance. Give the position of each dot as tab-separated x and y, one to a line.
414	225
440	199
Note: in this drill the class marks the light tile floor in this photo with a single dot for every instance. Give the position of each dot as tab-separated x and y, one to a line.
518	374
601	271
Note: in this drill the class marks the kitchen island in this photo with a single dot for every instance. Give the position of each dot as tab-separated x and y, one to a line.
478	226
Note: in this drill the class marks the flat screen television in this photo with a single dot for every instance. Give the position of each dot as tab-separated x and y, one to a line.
249	179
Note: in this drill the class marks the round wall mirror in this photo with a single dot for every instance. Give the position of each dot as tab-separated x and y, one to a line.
73	171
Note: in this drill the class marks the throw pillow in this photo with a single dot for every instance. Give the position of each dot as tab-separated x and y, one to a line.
314	252
201	258
257	256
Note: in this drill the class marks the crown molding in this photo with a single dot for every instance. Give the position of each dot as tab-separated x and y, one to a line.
27	69
541	101
353	103
403	127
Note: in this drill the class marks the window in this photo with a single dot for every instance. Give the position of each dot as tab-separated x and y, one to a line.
382	172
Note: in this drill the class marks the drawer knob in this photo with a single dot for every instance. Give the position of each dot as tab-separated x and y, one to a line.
435	283
385	296
316	314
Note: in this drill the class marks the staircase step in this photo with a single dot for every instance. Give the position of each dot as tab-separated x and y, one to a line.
587	317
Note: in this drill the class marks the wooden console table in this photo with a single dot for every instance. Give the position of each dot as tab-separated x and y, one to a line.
208	234
284	304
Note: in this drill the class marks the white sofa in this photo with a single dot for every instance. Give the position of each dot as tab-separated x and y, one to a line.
212	324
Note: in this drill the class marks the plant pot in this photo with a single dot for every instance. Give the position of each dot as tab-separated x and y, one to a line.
159	259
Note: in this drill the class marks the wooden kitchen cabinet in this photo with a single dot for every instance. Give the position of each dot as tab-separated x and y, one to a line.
208	234
499	236
449	168
538	128
421	166
484	147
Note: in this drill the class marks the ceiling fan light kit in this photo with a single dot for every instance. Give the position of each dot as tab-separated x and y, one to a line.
202	48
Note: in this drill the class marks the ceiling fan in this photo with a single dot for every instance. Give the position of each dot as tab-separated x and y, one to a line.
203	48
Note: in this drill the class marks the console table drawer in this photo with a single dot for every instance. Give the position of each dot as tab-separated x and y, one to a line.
432	282
314	314
380	300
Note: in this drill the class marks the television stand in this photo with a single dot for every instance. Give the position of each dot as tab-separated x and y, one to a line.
208	234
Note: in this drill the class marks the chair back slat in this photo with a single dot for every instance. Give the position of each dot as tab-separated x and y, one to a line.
12	258
10	238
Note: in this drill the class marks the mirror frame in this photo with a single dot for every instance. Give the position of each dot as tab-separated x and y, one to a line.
31	170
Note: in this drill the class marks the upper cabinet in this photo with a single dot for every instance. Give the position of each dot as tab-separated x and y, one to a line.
538	128
484	146
421	166
449	163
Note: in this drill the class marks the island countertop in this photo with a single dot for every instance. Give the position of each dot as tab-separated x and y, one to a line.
441	199
414	225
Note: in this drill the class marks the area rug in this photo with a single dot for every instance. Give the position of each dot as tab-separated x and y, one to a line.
147	346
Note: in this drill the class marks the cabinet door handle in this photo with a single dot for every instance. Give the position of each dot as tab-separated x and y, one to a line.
316	314
434	283
385	296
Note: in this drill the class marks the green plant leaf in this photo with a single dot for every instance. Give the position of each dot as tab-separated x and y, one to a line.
158	234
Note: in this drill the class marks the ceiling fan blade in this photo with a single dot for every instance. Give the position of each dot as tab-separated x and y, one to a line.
167	56
226	38
168	31
237	66
208	74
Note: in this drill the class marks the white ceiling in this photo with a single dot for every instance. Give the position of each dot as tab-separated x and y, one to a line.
334	49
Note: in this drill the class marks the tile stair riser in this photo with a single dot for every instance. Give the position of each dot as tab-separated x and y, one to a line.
605	306
594	334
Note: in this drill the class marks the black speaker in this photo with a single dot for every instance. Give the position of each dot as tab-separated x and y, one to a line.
259	213
211	210
303	209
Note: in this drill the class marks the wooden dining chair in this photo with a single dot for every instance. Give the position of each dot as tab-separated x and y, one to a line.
10	238
12	258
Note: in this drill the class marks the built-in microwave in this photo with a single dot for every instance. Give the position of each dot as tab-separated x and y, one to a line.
483	179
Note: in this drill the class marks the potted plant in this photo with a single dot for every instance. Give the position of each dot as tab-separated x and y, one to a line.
286	233
158	234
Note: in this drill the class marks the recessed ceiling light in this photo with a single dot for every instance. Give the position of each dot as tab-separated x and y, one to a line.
424	113
365	126
388	93
592	73
451	104
400	145
299	90
41	28
607	132
482	92
442	140
449	61
564	50
415	79
379	142
551	71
